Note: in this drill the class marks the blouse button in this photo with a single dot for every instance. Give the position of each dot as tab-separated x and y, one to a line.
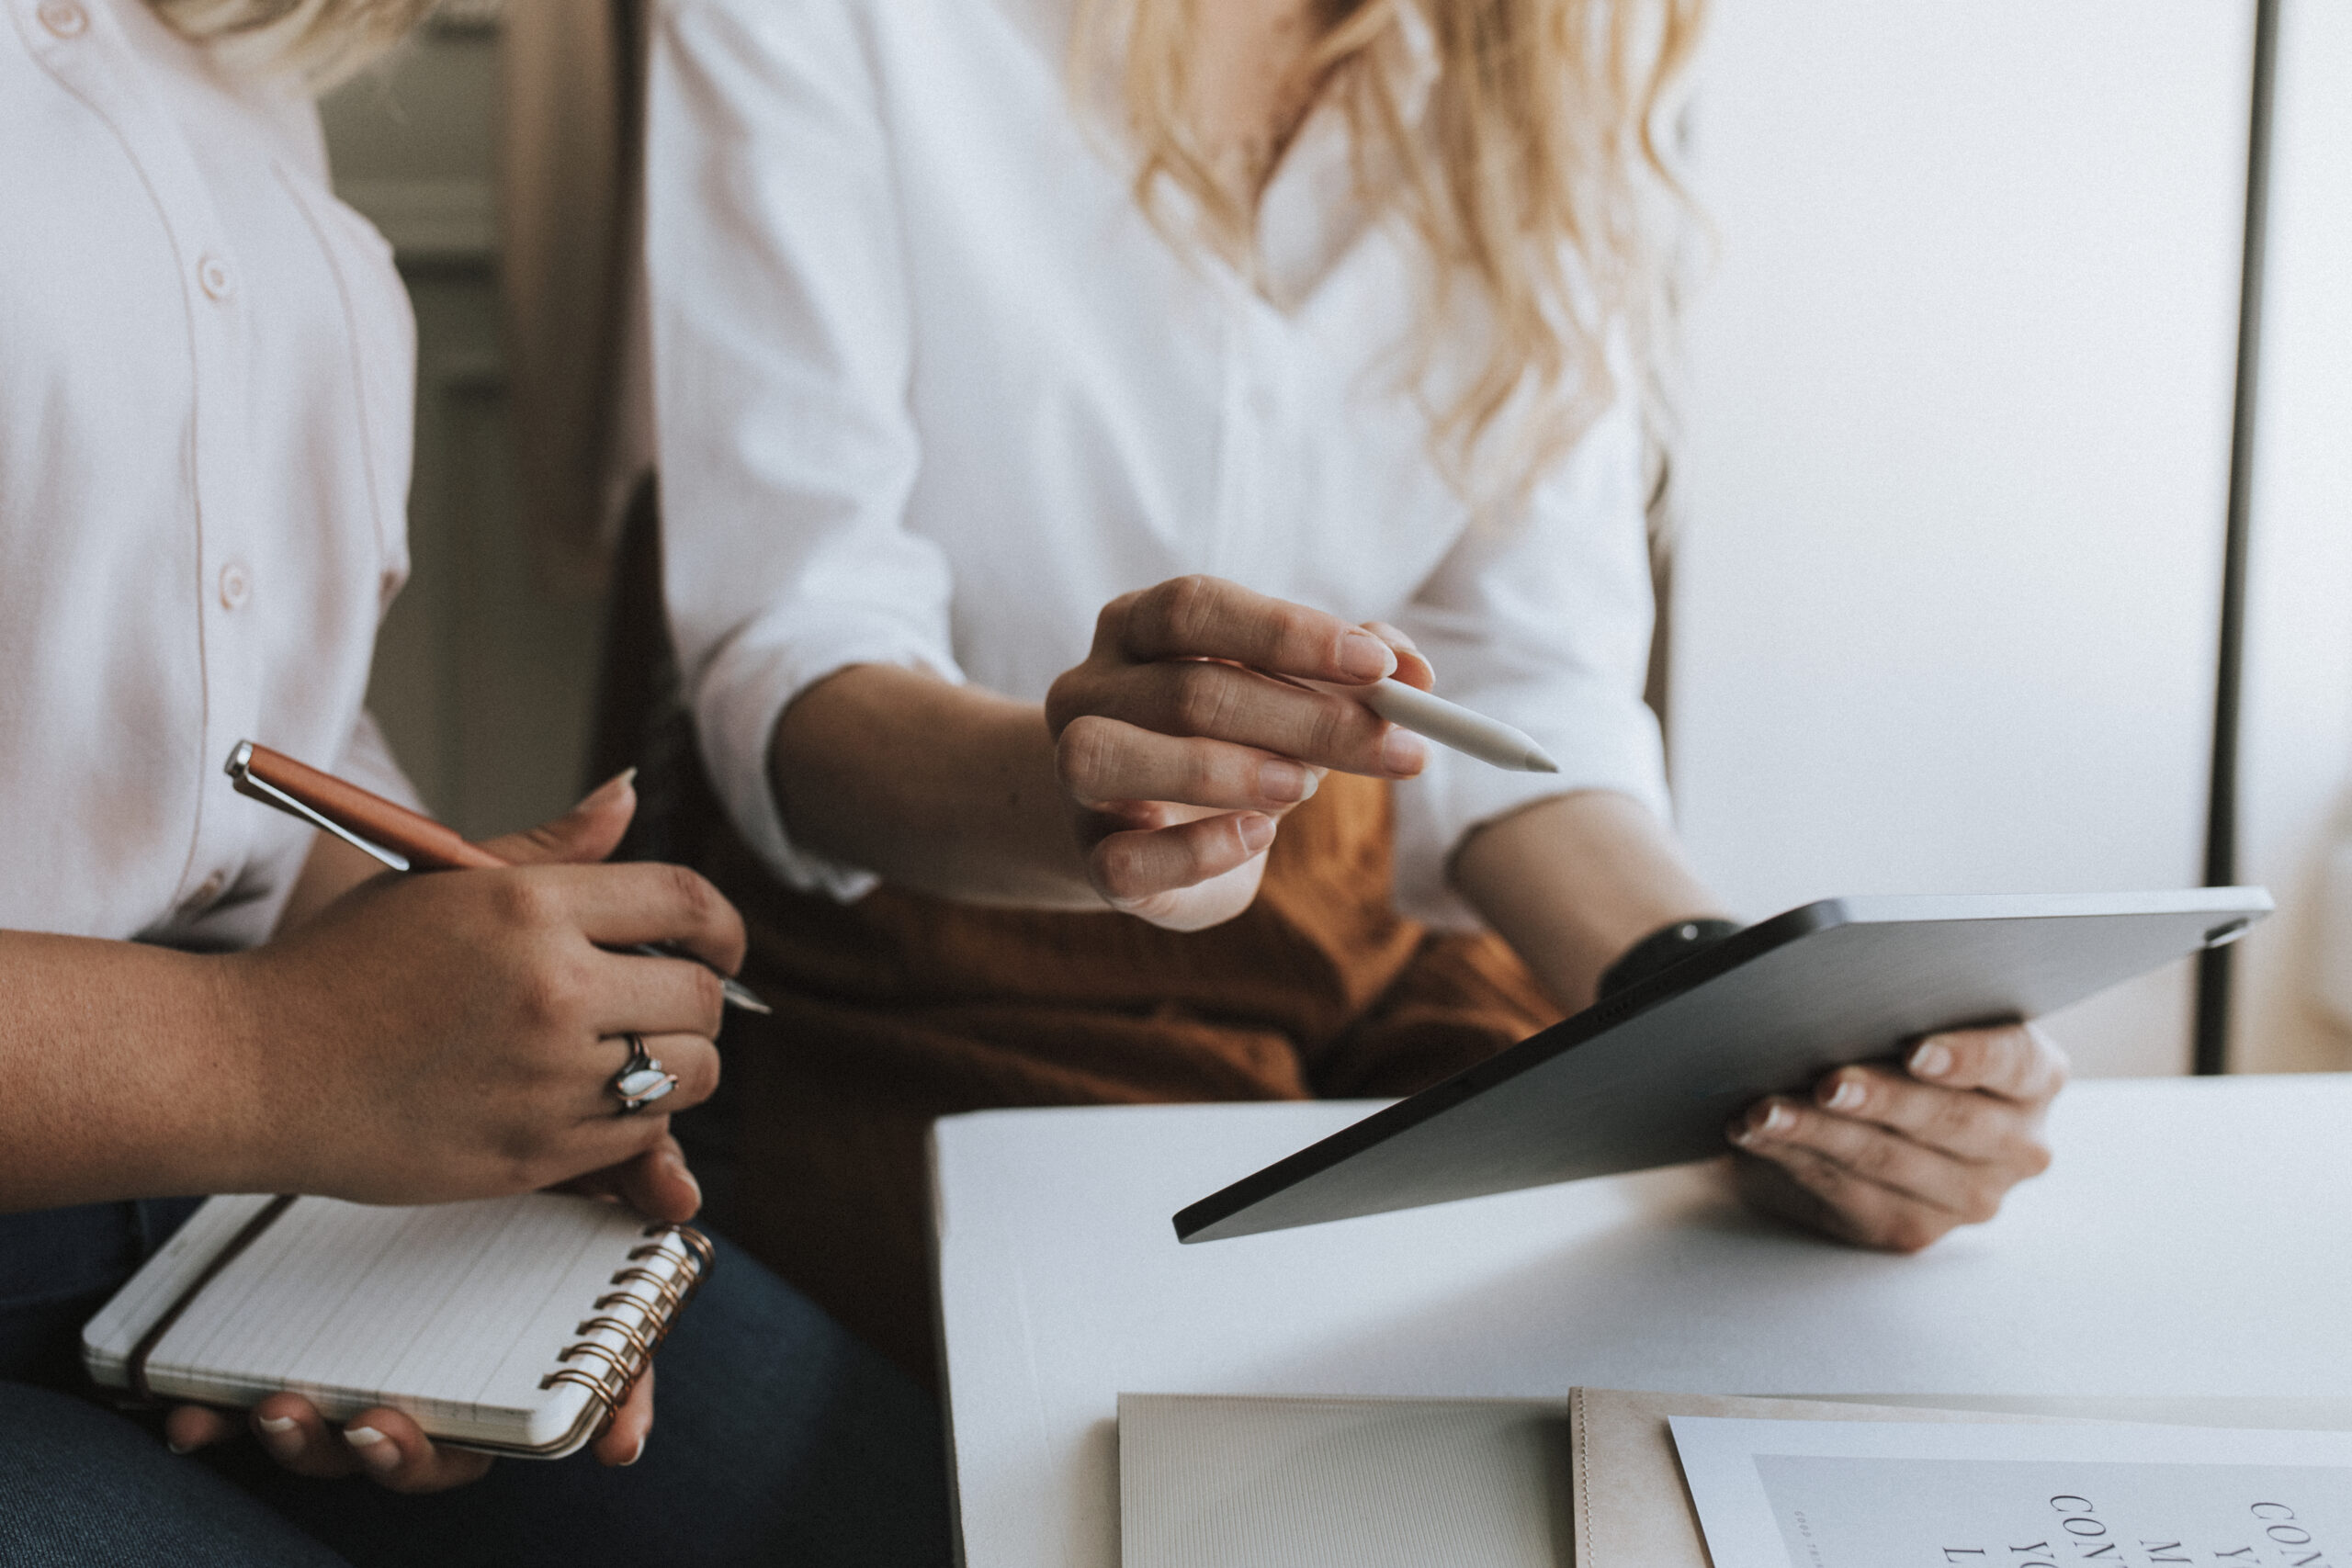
63	17
235	587
206	892
214	275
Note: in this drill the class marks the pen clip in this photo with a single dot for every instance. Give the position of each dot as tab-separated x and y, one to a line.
240	776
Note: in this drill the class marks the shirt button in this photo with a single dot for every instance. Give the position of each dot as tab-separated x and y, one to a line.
64	17
206	891
235	587
214	275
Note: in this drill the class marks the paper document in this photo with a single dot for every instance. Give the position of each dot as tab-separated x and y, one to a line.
1892	1495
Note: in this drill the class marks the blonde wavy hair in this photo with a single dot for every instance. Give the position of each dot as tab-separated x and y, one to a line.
1530	173
323	41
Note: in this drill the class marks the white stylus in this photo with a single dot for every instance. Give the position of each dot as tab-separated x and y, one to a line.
1449	724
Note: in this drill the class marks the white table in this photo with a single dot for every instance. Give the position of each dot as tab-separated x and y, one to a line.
2194	1240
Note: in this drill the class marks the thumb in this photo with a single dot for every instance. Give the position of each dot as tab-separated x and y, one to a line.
582	836
1411	667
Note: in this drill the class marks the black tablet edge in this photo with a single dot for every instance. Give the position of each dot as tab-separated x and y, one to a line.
1740	947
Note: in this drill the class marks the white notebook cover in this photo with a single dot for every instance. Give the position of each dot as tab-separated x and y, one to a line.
455	1312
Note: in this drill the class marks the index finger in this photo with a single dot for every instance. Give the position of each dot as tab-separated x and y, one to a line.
1208	617
623	1442
650	901
2014	1062
396	1454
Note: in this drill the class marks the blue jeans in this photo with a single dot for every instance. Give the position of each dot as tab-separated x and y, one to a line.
777	1439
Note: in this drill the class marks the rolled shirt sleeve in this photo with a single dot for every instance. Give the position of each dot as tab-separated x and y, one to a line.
1543	623
781	356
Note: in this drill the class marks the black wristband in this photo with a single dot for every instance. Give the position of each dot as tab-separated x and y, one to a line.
1661	951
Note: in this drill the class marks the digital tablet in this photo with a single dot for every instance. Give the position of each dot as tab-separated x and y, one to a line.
1652	1075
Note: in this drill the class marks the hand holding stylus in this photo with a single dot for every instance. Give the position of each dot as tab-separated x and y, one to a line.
1206	712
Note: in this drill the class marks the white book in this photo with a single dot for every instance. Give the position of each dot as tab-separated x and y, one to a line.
510	1325
1593	1480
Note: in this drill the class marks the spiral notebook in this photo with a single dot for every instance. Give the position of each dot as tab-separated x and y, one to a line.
509	1325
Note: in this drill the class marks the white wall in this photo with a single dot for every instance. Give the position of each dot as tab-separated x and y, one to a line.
1956	461
2296	736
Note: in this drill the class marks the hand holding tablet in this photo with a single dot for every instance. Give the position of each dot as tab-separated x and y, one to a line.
1652	1075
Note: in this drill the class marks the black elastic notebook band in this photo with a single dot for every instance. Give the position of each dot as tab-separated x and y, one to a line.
221	1259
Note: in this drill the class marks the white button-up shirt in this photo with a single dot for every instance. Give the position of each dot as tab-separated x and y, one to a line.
930	389
206	365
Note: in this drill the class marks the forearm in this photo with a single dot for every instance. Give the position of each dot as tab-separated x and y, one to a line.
132	1073
1574	880
943	789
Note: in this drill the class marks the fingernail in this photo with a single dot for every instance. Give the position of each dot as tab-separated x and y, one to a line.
688	1176
375	1451
1847	1096
177	1447
1366	658
610	787
635	1454
281	1435
1930	1060
1285	781
1256	832
1402	753
1768	1119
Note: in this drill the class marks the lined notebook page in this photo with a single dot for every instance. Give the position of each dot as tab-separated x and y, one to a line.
453	1313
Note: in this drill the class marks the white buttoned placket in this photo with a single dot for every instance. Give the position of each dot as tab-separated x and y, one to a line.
80	45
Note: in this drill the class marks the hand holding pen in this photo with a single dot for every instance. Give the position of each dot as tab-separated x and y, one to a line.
1204	713
401	839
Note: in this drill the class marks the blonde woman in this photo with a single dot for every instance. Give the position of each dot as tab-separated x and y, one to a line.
1044	396
205	374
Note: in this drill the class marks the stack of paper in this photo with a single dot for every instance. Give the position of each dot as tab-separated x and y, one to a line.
1608	1479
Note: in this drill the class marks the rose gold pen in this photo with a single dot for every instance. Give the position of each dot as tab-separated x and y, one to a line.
402	839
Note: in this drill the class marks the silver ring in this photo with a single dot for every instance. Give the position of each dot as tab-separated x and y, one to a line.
641	1079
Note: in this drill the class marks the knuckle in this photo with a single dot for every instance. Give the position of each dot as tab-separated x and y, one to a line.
1186	606
1980	1203
1308	635
1824	1179
1954	1118
1085	755
1117	875
696	899
1329	731
698	1077
711	999
1199	698
1875	1155
519	898
1212	775
544	993
2034	1157
1112	619
1066	699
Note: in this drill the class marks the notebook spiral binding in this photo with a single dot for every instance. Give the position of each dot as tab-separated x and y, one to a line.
655	1311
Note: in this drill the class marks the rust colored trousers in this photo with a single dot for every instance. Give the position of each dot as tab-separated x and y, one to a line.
901	1008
